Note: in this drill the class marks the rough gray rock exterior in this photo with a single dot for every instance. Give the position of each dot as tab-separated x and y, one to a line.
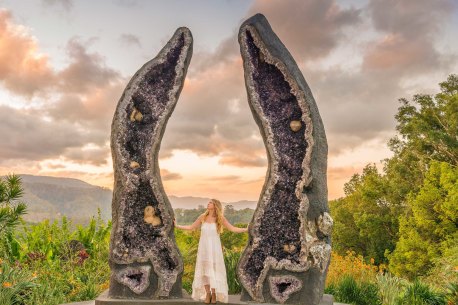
144	258
289	236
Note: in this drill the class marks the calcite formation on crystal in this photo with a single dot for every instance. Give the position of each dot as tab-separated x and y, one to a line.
144	258
289	237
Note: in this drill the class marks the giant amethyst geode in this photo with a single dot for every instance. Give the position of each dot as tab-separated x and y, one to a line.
144	258
288	252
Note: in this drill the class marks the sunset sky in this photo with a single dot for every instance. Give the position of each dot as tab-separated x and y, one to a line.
64	65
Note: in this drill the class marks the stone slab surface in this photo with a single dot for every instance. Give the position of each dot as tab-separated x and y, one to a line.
233	299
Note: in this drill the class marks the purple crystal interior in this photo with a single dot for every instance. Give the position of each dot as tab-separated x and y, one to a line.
280	222
150	100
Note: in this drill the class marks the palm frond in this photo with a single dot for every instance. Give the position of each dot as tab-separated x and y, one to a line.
14	189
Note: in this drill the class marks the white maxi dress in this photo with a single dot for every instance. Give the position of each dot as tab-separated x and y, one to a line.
210	268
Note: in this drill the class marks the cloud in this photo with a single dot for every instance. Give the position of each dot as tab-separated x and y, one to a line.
416	18
73	121
88	93
355	107
127	3
310	29
230	178
394	53
66	4
22	69
393	41
88	154
55	166
359	104
167	175
93	109
212	118
410	29
337	177
26	136
130	40
86	71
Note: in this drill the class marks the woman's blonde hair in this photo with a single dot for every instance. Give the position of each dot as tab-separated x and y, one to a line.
219	214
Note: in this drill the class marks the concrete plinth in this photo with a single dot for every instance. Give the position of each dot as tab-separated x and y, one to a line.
233	300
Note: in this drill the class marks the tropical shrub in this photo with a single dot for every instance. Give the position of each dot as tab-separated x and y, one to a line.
231	259
451	294
16	284
348	290
11	210
390	288
418	293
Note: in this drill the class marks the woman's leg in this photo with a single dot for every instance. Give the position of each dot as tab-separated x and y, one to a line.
213	296
208	296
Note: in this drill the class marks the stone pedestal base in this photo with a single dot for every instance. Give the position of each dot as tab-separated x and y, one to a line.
233	300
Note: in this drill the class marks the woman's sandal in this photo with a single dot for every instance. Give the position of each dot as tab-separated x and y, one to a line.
213	298
208	298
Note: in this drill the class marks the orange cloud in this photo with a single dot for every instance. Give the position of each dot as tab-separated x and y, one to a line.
410	29
396	53
22	69
79	101
168	175
337	177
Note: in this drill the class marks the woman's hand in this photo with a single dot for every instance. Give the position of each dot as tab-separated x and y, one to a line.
231	228
194	226
242	230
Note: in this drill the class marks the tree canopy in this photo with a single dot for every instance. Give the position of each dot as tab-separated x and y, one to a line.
408	213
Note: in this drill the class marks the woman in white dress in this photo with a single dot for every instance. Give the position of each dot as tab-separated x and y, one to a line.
210	283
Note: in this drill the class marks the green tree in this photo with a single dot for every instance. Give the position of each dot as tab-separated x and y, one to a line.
365	221
367	218
428	127
430	223
427	130
11	210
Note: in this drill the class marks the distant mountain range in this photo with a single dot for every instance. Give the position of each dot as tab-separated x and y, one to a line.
190	202
53	197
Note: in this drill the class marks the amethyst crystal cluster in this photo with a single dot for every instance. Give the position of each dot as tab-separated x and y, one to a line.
144	257
288	252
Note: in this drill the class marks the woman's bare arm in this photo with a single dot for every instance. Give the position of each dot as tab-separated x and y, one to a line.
194	226
231	228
